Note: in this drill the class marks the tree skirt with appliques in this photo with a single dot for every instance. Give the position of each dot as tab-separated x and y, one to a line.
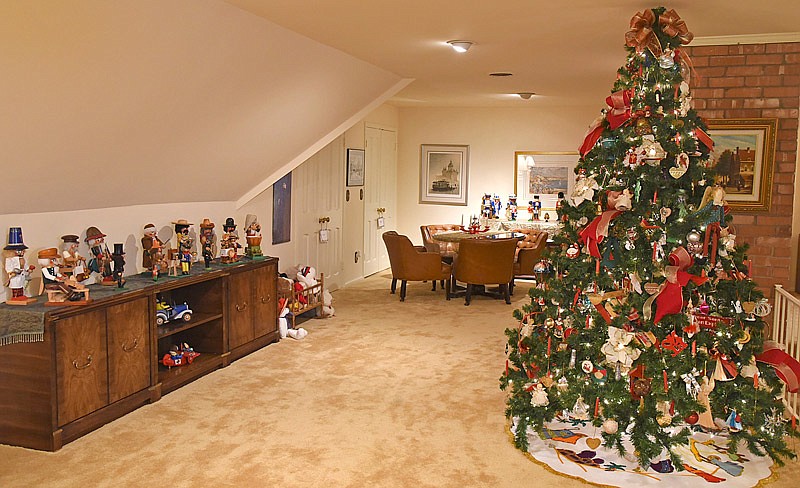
573	448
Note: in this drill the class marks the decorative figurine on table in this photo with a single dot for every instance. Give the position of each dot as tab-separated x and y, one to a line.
511	208
535	208
185	244
101	262
474	226
208	241
230	242
60	289
486	206
73	263
149	242
18	274
496	207
547	216
118	257
253	235
174	262
158	260
168	313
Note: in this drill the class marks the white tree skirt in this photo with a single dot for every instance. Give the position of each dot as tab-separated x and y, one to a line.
572	448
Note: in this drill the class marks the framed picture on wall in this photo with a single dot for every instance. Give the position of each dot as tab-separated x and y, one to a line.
282	210
443	174
545	174
355	167
744	158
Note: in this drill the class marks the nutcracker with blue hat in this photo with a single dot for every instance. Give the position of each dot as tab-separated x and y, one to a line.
18	274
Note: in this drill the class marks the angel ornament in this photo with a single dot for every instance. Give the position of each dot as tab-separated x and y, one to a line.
539	396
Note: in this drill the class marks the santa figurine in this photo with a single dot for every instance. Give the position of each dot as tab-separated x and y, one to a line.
18	274
101	262
253	235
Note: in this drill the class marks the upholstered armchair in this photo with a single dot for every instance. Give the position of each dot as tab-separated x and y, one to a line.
485	262
445	249
529	252
410	264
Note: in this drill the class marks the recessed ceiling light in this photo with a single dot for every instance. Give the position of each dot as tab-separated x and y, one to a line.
501	73
460	46
526	95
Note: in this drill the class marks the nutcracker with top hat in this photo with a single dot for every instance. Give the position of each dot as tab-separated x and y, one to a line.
73	263
17	272
186	250
253	235
208	241
101	260
150	246
118	257
230	242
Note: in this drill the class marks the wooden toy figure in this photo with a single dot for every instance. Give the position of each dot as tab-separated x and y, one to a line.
185	244
208	242
61	289
73	263
511	208
18	274
157	260
496	206
535	208
118	257
486	206
253	235
101	262
230	242
149	241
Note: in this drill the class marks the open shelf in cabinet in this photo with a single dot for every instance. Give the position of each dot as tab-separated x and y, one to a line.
172	378
198	319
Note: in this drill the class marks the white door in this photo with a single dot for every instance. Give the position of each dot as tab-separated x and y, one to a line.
321	180
379	195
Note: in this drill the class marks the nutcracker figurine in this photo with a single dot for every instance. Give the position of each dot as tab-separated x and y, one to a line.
73	263
496	206
150	244
61	289
253	236
186	251
230	242
118	257
511	208
101	262
208	241
535	208
18	274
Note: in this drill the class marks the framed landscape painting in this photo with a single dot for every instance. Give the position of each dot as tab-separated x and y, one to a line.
744	159
545	174
443	174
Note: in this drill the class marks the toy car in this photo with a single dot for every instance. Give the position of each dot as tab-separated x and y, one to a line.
167	313
179	356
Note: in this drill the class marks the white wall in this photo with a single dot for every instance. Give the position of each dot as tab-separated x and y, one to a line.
493	134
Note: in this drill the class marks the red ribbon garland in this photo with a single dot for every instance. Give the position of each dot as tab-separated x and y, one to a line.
786	367
620	111
595	232
670	299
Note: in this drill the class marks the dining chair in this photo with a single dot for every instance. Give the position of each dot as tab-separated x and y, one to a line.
409	263
485	262
529	252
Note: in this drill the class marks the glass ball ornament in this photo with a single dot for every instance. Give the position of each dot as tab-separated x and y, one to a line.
692	418
694	242
610	426
641	387
643	127
666	60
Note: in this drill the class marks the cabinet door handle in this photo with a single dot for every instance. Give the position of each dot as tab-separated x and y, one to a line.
265	299
88	362
242	308
131	348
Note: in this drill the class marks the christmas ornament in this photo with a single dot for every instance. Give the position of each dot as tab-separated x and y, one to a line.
539	396
580	410
563	384
610	426
642	387
593	442
643	127
666	60
573	251
693	242
650	151
676	172
692	386
587	366
673	343
705	418
584	190
617	349
663	418
763	308
651	288
734	421
669	300
692	418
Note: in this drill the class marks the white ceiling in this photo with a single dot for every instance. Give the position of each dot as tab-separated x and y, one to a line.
566	51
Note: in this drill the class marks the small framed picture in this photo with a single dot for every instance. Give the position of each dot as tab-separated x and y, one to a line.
355	167
443	174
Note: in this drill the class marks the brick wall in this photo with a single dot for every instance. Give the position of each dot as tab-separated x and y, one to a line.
758	81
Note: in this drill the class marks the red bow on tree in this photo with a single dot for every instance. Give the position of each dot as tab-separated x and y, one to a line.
669	298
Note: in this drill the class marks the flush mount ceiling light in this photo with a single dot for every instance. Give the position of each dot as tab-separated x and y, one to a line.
460	46
526	95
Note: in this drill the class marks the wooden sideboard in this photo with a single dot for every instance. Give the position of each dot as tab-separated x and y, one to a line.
100	361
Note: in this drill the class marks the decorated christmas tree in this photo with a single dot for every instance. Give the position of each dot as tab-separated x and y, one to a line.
644	321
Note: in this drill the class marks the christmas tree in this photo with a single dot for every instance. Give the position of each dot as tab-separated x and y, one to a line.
648	325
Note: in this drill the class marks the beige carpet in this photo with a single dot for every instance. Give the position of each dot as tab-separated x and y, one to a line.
385	394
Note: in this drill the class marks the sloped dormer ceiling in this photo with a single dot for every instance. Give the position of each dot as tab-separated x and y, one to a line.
108	104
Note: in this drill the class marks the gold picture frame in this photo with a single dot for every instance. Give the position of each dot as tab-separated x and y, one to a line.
744	158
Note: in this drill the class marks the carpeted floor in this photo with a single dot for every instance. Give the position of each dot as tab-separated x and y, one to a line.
385	394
